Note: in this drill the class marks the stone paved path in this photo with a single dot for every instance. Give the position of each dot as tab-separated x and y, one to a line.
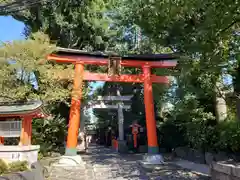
104	164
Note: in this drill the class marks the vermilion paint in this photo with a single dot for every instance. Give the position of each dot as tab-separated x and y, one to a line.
147	78
74	119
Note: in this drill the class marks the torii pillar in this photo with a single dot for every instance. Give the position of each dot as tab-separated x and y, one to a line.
74	118
149	111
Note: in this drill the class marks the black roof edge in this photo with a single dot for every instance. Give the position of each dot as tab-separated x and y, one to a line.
104	55
20	103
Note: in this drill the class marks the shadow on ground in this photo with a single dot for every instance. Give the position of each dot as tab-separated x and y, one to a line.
128	166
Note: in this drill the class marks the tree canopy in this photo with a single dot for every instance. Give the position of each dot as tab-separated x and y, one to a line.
72	24
26	74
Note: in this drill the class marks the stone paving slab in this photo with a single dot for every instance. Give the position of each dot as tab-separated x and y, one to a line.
105	164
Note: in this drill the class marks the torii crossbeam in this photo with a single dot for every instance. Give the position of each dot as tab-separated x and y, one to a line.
146	62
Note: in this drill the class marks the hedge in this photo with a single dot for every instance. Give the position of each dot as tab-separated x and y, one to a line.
201	135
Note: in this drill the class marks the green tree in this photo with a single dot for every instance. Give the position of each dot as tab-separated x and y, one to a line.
24	64
202	30
71	24
25	74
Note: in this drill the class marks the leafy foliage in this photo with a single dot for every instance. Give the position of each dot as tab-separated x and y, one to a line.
25	73
50	134
199	29
13	167
201	135
18	166
72	24
3	166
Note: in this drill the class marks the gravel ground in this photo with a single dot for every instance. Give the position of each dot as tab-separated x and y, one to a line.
103	164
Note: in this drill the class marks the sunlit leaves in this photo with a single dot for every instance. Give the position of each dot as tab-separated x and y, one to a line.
26	74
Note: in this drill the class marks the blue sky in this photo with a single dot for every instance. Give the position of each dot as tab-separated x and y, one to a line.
12	29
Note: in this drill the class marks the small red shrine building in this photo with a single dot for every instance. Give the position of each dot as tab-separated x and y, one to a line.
15	117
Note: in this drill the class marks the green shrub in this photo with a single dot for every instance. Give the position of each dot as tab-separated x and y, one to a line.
171	135
50	134
40	156
229	138
212	134
3	167
202	135
18	166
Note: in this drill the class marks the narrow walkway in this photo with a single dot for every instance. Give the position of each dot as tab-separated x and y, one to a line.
103	163
198	168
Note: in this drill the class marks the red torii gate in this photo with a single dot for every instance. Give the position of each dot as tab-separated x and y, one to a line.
146	62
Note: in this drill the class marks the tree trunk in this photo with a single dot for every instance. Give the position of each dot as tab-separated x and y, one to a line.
238	108
236	85
221	106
